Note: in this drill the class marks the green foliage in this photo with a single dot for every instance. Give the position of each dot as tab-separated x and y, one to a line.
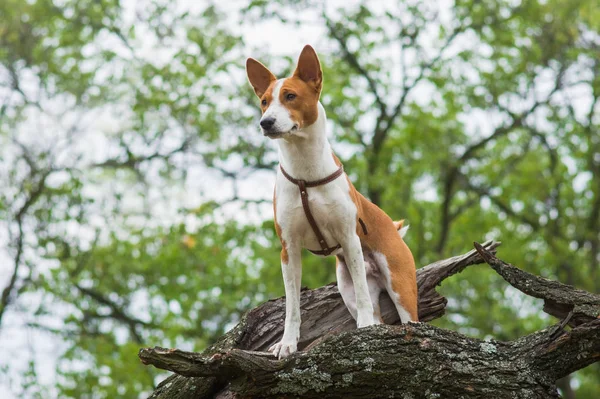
135	191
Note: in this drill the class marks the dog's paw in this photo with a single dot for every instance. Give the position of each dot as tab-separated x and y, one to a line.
365	321
283	349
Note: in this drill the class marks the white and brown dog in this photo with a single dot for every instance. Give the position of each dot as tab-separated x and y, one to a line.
316	207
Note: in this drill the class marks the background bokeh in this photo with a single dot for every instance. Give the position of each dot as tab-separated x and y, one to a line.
135	186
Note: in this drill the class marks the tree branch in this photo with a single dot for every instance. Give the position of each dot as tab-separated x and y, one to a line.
229	364
409	359
352	60
393	360
116	312
559	299
570	352
34	195
426	66
323	314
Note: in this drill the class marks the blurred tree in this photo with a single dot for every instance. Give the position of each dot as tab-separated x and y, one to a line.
474	120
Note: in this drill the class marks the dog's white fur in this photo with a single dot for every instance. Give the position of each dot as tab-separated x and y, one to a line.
306	154
276	110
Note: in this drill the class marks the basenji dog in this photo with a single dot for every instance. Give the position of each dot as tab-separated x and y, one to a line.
316	206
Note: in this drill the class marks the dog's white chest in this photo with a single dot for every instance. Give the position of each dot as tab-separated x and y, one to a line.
330	205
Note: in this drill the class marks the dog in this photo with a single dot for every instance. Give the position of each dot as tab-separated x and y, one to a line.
316	206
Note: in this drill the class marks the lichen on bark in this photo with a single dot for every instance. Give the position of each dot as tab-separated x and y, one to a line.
414	360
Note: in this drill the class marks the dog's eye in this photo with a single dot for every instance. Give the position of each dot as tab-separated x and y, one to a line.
290	96
264	102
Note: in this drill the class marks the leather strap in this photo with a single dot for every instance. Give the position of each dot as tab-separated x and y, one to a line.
303	185
325	252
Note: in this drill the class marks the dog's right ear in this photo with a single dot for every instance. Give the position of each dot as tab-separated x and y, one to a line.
259	76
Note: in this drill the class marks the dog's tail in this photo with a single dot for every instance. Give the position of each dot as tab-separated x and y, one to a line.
401	228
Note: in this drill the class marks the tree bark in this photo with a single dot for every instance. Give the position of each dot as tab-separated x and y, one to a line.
412	360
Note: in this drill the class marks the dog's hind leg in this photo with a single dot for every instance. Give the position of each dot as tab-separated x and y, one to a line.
399	283
402	289
345	285
346	288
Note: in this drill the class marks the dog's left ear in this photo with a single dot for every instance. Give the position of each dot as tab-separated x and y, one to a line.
309	68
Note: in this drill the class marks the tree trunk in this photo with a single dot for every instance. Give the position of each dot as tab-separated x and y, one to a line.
410	361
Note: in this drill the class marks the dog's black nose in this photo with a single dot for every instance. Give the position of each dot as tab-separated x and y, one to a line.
267	123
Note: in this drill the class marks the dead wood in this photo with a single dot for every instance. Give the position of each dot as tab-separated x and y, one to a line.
412	360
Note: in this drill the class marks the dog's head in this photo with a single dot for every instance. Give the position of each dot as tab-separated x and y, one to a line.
290	104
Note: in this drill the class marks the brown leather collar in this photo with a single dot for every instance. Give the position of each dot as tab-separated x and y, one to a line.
314	183
302	185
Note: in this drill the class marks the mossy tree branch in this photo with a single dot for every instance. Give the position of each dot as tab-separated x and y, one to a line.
416	359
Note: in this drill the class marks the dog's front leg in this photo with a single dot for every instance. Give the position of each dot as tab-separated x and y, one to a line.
356	266
292	277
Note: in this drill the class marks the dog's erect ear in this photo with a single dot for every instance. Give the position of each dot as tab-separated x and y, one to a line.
309	68
259	76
